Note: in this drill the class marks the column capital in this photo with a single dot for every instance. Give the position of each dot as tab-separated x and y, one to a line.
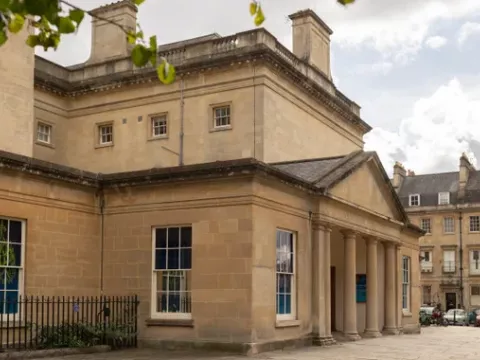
322	226
371	240
348	233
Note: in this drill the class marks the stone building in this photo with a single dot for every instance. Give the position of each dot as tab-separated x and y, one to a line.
228	201
447	207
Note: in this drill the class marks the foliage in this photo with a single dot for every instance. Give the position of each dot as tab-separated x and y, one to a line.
81	335
7	257
51	22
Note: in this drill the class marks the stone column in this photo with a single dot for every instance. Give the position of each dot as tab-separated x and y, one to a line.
349	286
390	289
371	328
321	287
399	289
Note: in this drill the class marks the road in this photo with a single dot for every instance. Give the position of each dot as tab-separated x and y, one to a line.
435	343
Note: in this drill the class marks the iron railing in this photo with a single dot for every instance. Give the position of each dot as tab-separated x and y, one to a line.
33	322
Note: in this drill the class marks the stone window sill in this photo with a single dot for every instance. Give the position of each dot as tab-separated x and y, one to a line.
287	323
407	314
42	143
221	128
101	146
170	322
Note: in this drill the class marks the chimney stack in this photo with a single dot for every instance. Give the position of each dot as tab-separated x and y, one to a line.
464	172
399	174
108	40
311	40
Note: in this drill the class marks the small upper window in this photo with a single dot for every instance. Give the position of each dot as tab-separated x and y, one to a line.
105	133
443	198
474	223
159	126
426	225
414	200
221	117
44	133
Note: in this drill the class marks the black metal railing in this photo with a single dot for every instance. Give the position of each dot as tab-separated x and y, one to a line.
33	322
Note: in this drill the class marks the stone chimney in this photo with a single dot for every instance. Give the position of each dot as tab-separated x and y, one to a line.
399	174
109	41
311	40
464	172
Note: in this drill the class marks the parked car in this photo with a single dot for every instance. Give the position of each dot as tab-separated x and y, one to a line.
472	316
456	317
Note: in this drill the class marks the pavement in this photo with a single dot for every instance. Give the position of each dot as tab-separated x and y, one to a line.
435	343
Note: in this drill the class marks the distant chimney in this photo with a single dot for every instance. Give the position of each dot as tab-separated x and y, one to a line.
311	40
410	172
464	172
109	41
399	174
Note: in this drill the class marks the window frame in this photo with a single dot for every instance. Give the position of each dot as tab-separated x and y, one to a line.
214	116
21	274
474	262
477	217
454	261
426	265
406	283
429	221
446	195
50	134
411	197
154	314
424	287
474	286
293	277
444	225
151	126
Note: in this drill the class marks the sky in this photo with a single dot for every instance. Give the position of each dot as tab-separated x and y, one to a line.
411	65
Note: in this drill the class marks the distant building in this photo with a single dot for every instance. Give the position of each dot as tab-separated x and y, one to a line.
447	207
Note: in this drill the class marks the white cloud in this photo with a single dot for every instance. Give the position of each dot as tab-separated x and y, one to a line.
380	67
436	42
467	30
439	129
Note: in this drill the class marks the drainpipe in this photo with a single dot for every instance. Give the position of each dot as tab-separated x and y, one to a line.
460	218
182	106
102	238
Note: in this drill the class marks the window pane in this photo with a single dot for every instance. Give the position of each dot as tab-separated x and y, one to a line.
15	231
174	294
173	259
186	237
160	259
173	237
186	258
161	238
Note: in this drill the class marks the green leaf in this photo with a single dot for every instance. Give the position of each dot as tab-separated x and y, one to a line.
138	2
65	25
140	55
77	15
166	73
3	37
132	38
32	41
153	50
4	5
42	7
16	24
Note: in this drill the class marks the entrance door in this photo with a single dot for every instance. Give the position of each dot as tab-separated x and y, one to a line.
450	301
332	297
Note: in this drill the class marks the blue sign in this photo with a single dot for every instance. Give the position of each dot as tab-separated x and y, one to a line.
76	307
361	288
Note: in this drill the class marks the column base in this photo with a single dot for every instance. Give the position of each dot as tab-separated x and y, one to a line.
324	340
390	331
372	334
351	336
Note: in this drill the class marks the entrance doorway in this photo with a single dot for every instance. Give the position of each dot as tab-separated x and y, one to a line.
450	301
332	298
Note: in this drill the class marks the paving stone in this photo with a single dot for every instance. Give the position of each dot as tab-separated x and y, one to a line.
435	343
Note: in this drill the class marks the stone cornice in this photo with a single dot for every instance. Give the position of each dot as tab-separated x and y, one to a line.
257	45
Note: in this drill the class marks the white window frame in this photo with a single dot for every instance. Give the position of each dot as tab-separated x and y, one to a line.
44	130
444	198
445	227
449	266
156	123
426	221
474	263
21	268
406	283
154	314
101	134
426	265
293	283
221	117
411	197
474	220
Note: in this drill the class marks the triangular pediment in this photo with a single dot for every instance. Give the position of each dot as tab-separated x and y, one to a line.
369	188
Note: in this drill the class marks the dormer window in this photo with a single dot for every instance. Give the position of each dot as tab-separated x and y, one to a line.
443	198
414	200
